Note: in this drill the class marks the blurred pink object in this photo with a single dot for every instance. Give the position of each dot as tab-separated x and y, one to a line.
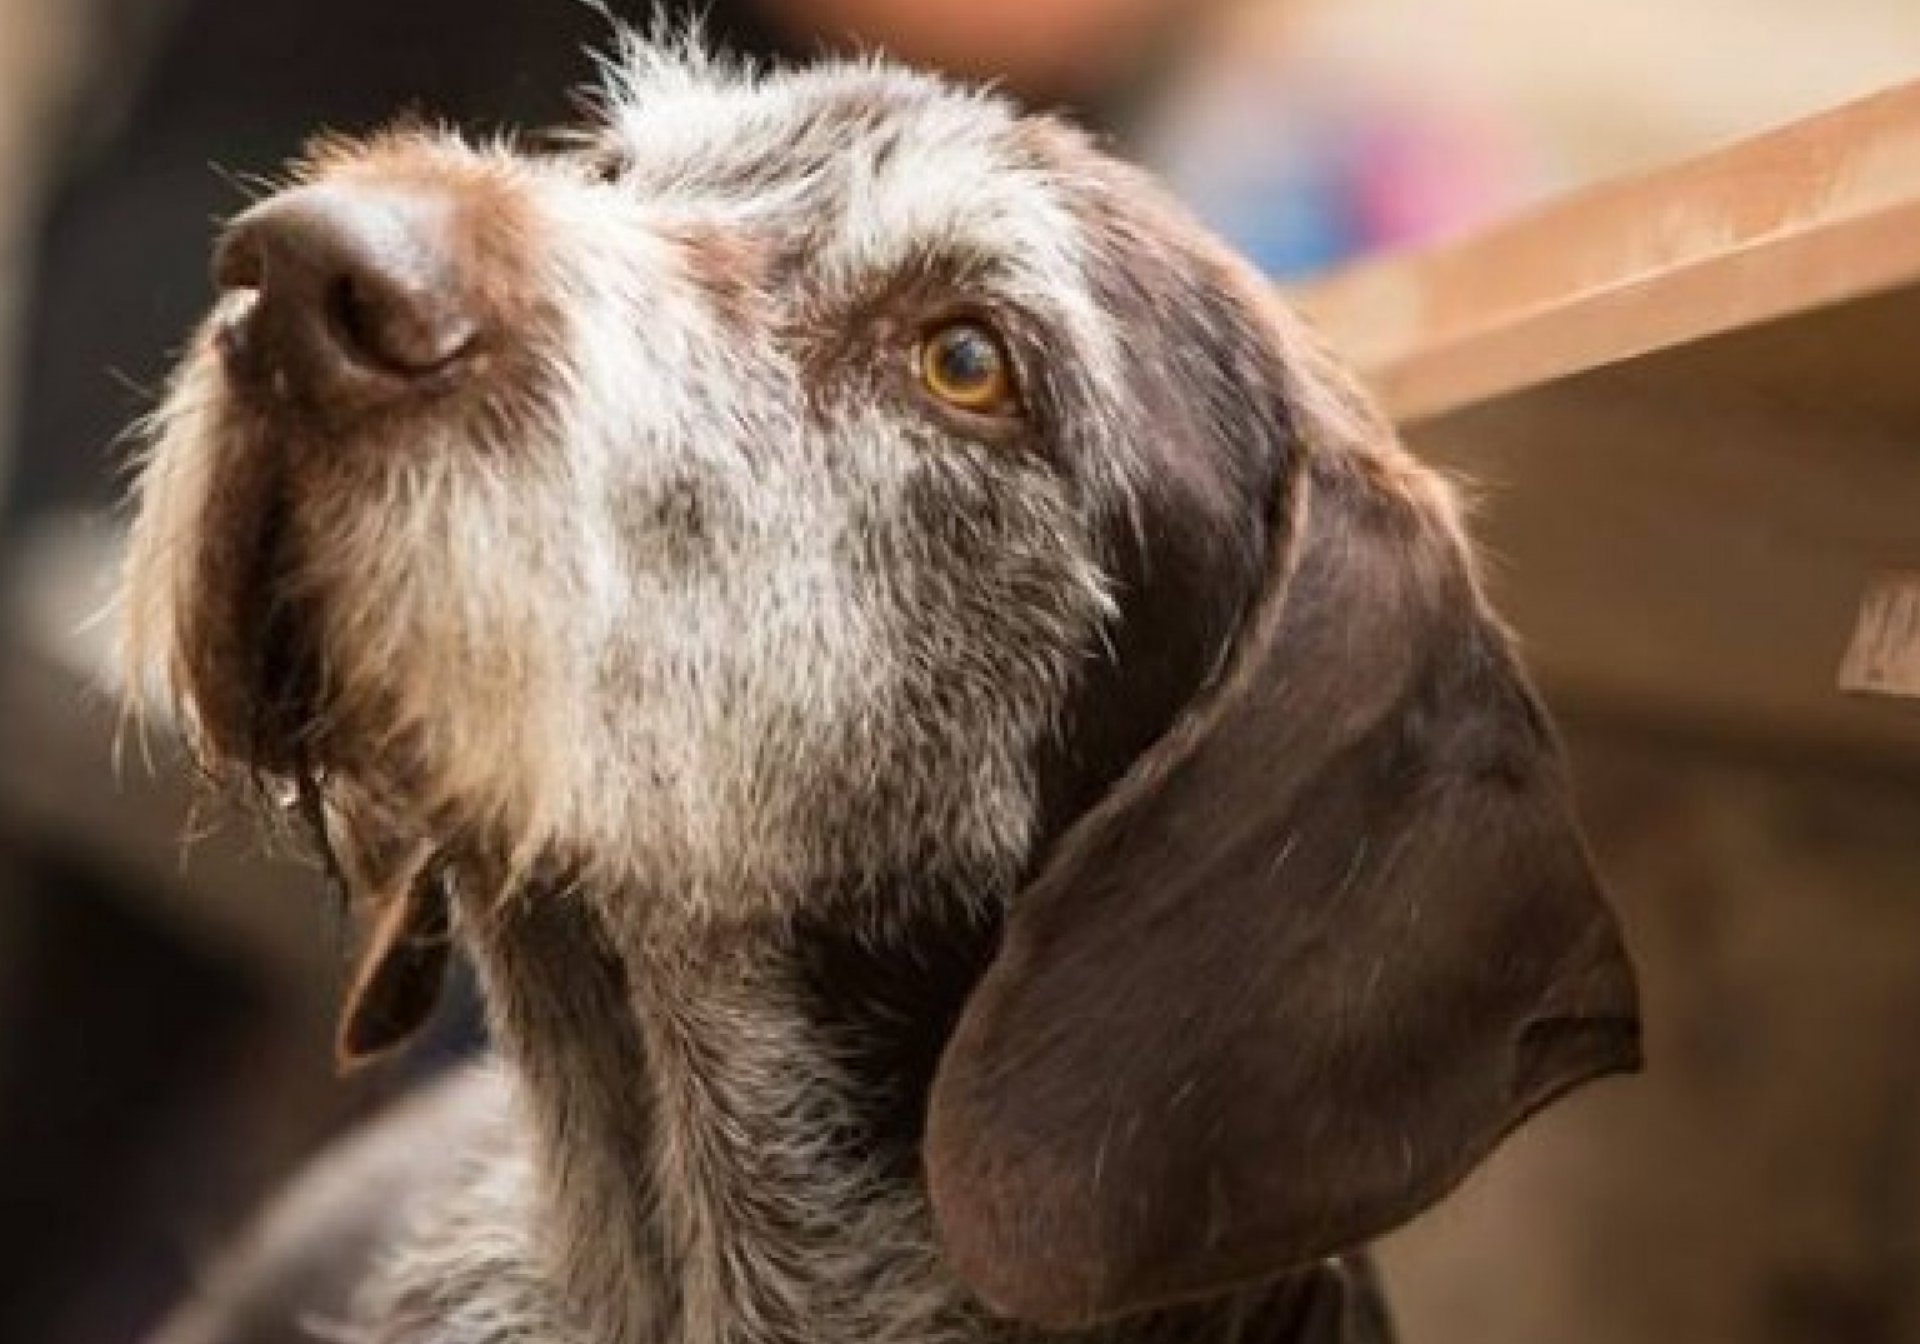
1050	48
1416	175
1307	164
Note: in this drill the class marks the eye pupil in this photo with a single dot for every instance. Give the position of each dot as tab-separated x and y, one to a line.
967	358
966	366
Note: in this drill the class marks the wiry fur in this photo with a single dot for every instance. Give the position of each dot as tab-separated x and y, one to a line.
668	478
686	625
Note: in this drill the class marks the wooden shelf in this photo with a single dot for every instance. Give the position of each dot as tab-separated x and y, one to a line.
1690	406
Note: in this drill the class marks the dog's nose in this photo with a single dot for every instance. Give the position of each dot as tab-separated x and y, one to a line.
344	296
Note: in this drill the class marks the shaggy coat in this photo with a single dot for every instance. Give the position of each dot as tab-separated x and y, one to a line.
1069	863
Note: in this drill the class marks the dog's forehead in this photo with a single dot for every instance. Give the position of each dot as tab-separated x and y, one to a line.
870	166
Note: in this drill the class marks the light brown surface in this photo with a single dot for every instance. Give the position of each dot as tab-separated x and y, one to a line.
1885	656
1690	404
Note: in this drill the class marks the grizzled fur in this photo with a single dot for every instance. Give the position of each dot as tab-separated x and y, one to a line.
764	728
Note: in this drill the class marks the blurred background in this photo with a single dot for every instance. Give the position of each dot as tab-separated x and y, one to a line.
164	1015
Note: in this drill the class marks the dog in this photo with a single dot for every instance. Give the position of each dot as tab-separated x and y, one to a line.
978	778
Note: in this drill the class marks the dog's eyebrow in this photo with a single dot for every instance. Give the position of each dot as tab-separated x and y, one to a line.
869	169
733	138
957	177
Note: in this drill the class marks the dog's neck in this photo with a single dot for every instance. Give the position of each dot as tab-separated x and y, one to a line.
727	1140
728	1124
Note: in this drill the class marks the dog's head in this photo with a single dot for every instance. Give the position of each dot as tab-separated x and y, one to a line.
830	485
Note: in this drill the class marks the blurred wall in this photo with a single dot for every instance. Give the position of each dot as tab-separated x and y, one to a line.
1618	84
40	53
1759	1183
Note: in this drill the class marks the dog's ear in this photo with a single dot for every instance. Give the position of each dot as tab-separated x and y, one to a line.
1322	946
403	960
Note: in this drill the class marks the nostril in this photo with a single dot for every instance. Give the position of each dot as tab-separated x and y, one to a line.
380	322
347	312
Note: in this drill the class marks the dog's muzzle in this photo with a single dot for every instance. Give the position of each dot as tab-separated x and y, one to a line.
352	314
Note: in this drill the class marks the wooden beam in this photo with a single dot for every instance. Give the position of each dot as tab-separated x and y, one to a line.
1819	213
1884	658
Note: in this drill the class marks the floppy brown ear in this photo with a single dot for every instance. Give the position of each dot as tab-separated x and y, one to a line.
1307	963
402	964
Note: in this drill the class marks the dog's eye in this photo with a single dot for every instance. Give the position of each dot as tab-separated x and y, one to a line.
965	364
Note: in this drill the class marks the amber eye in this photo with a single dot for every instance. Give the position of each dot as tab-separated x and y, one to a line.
965	365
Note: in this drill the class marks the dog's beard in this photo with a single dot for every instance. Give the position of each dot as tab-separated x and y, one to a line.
277	681
214	609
